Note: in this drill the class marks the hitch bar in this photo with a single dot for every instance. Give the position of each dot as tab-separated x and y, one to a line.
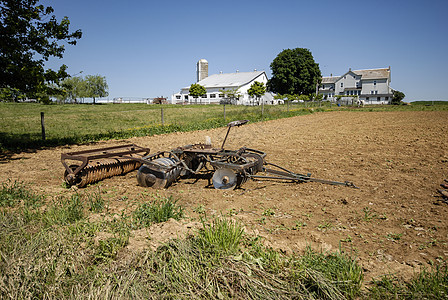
288	175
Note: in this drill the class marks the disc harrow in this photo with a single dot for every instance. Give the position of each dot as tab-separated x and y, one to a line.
225	169
86	167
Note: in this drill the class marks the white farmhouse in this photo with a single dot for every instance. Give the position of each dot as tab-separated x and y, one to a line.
372	86
215	86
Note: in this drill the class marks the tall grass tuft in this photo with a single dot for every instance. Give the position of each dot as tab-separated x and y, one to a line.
160	210
339	268
96	202
221	236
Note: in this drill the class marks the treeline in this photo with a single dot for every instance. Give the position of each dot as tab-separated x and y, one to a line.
68	90
76	89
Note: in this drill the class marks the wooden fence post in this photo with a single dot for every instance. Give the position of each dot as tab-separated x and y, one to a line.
42	124
224	112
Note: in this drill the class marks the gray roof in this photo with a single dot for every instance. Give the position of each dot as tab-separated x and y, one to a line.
329	79
229	79
365	74
373	73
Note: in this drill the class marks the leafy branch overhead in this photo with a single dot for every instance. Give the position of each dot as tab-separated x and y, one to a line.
29	35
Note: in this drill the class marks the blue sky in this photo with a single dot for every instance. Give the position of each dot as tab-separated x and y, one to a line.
150	48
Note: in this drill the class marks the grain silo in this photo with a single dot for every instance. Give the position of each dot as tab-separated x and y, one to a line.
202	69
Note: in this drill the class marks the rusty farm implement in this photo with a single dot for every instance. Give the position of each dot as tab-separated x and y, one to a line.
227	169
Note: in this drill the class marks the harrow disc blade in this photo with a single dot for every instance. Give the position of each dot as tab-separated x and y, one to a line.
224	179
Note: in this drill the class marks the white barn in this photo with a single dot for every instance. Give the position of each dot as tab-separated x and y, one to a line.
217	83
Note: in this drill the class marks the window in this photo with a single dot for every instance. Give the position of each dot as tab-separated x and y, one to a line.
342	84
221	95
212	95
387	98
367	98
186	97
378	98
371	92
323	86
374	82
376	92
204	96
178	97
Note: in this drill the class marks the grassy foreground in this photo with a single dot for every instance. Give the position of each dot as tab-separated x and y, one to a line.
73	248
20	123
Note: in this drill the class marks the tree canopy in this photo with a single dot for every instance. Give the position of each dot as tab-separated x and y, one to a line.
74	88
257	89
294	71
397	97
29	35
96	86
197	90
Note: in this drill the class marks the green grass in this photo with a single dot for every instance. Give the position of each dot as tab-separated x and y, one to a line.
16	193
157	211
20	124
51	250
221	236
427	284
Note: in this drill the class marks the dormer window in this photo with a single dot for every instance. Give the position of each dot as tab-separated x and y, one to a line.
374	82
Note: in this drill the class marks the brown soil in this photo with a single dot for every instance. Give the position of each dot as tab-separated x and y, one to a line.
394	223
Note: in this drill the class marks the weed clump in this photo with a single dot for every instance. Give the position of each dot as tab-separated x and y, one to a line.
222	235
14	193
160	210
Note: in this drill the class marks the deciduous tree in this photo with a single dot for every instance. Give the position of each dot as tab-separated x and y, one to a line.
96	86
29	35
257	89
196	90
294	71
397	97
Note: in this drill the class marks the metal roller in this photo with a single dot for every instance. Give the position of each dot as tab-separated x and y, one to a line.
159	174
97	164
98	170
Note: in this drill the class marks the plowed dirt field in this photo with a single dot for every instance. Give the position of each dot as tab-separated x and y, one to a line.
394	223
